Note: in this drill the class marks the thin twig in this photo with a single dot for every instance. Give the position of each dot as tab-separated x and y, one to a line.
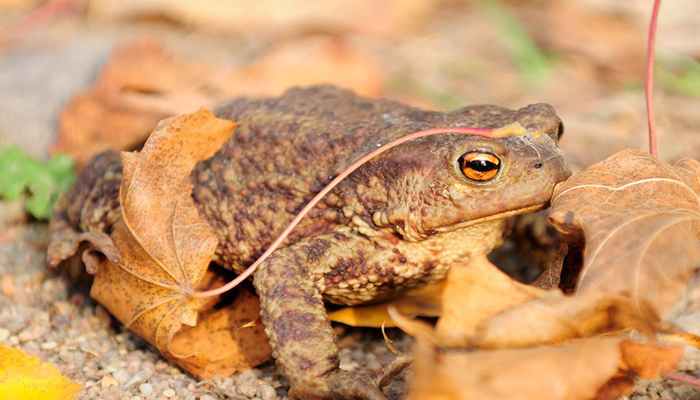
683	378
649	83
508	130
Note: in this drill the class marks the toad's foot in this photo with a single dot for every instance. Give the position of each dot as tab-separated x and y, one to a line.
337	384
300	332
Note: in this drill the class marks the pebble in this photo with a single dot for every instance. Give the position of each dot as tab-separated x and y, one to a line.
4	334
48	345
121	375
169	393
108	380
146	389
207	397
248	375
30	334
267	392
248	390
138	378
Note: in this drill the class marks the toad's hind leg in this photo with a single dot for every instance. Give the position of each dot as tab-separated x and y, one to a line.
85	215
300	332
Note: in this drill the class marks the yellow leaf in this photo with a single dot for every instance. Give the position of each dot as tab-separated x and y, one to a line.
423	302
25	377
688	339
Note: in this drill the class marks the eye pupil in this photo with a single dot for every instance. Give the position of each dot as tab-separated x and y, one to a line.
482	165
479	166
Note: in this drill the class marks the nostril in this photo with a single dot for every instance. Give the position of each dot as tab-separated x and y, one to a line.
537	164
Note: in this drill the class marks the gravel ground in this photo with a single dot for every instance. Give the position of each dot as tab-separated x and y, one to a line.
42	316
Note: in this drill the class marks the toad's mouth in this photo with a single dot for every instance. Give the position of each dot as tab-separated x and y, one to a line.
502	215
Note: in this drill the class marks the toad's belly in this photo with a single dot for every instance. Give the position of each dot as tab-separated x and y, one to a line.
372	288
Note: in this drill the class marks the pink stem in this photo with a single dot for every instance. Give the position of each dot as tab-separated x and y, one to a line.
275	245
649	83
683	378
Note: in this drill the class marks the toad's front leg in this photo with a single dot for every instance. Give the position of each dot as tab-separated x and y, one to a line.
299	330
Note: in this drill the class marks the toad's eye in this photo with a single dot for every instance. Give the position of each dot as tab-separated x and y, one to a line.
479	166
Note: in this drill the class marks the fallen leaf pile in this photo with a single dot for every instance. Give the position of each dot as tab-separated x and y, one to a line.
25	377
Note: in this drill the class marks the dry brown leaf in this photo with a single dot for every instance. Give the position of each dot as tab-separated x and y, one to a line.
571	372
138	87
142	84
638	360
165	252
649	361
223	340
280	16
586	370
556	318
484	308
640	219
473	294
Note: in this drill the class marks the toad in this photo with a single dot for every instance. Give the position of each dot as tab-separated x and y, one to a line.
396	223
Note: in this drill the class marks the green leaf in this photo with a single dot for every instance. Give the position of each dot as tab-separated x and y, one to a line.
680	76
40	183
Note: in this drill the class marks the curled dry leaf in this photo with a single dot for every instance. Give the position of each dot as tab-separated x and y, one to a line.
165	253
543	373
639	218
473	294
484	308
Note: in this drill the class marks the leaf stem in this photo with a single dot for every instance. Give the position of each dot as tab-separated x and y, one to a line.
501	132
649	82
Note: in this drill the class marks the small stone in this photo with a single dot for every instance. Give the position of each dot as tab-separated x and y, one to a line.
29	335
138	378
267	392
169	393
48	345
121	375
207	397
136	398
108	381
248	390
4	334
246	376
146	389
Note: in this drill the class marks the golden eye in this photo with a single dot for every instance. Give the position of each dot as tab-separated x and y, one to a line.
479	166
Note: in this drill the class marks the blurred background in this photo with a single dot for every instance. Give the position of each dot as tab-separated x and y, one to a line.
80	75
